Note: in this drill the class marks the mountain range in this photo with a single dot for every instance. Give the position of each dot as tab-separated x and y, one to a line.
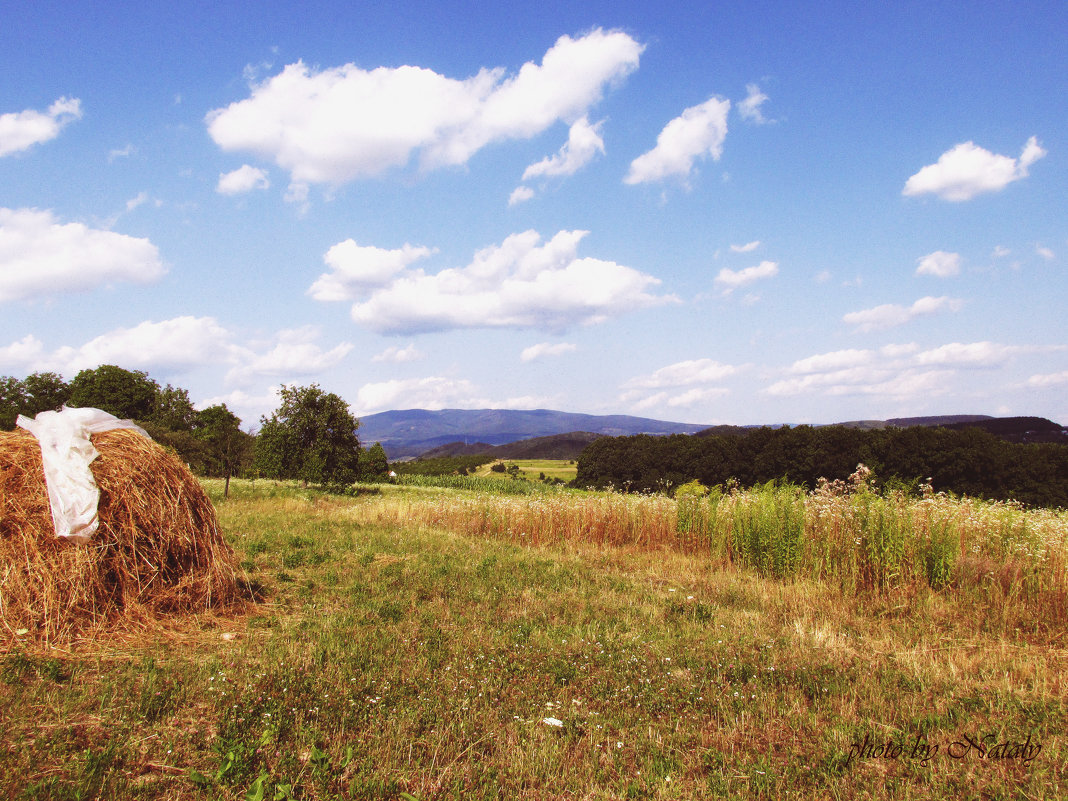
537	433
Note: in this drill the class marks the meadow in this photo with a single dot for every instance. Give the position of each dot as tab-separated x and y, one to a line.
428	642
537	469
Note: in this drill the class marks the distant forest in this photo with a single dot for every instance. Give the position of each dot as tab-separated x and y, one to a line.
966	461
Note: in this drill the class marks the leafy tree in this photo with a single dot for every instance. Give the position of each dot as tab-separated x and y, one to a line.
46	392
174	410
12	401
374	465
227	447
127	394
311	437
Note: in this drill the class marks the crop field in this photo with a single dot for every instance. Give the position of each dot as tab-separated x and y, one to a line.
426	642
534	469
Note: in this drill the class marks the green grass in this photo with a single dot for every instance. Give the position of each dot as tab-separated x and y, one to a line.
535	469
403	661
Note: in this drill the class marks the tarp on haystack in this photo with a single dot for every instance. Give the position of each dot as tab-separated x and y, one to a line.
156	548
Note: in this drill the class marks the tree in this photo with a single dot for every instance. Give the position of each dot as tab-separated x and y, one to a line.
12	401
127	394
311	437
374	465
227	446
46	392
174	410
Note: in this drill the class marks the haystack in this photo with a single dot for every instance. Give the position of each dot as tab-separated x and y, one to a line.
158	550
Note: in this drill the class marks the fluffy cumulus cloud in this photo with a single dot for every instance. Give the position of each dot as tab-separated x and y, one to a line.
180	344
1043	380
356	269
729	280
336	125
968	170
973	354
584	141
39	255
294	353
244	179
899	371
520	194
432	392
22	130
694	371
939	264
520	283
695	375
176	344
698	132
889	315
543	349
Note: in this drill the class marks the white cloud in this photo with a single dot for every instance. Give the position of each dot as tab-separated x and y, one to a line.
432	392
748	247
686	373
520	194
750	107
901	371
891	314
140	199
41	256
835	360
583	143
294	354
358	269
178	344
543	349
520	283
732	279
968	170
699	131
396	355
1048	379
244	179
23	129
880	379
22	356
940	264
341	124
121	153
973	354
697	395
1045	253
695	374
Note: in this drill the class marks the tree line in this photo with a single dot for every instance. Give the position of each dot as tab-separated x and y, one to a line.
966	462
312	436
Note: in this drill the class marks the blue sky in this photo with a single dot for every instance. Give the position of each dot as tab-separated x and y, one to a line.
739	213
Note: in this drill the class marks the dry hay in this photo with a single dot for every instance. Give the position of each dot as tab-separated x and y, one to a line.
158	550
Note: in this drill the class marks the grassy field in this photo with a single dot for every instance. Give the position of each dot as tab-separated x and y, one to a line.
534	469
428	643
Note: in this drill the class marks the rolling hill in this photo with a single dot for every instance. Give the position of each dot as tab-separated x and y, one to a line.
537	433
412	432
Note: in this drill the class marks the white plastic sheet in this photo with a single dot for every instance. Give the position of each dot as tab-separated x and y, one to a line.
66	452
